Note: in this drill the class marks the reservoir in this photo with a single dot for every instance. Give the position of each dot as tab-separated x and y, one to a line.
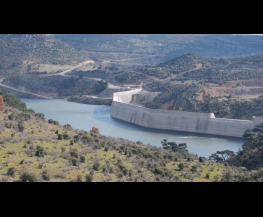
84	117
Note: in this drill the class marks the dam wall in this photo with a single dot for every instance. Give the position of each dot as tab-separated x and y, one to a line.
205	123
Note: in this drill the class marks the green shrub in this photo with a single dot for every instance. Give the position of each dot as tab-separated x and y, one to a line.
74	162
201	159
60	137
46	175
96	166
11	172
53	122
89	178
181	166
82	159
194	169
40	115
21	126
79	178
65	136
40	151
74	153
28	177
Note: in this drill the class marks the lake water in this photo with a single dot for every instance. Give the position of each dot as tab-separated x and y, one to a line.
84	117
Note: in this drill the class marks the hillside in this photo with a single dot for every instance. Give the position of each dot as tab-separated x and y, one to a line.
26	53
33	149
56	86
170	45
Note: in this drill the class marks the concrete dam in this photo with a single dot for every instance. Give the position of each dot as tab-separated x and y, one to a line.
122	108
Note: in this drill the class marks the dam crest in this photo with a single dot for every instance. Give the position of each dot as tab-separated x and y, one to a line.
124	108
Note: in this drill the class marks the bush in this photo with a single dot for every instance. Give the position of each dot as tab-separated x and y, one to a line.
74	153
60	137
181	166
89	178
40	115
201	159
11	172
61	175
96	166
194	169
65	136
21	126
74	162
82	159
63	149
40	151
46	175
79	178
28	177
53	122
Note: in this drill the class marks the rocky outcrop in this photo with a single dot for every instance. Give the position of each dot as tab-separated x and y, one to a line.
95	130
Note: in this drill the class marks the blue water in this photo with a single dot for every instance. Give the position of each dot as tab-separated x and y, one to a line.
84	117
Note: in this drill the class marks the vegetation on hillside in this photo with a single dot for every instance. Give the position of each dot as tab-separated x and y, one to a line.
195	98
57	86
251	156
24	53
33	149
171	45
246	165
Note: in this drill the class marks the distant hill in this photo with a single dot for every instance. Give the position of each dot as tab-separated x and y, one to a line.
218	71
231	87
20	52
170	45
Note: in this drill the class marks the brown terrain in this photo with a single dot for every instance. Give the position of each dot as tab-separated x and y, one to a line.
247	88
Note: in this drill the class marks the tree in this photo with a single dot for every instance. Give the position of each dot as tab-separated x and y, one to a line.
220	156
173	146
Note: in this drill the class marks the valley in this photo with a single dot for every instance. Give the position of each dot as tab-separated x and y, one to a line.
196	75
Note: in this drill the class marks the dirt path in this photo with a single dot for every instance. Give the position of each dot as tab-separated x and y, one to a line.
75	67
